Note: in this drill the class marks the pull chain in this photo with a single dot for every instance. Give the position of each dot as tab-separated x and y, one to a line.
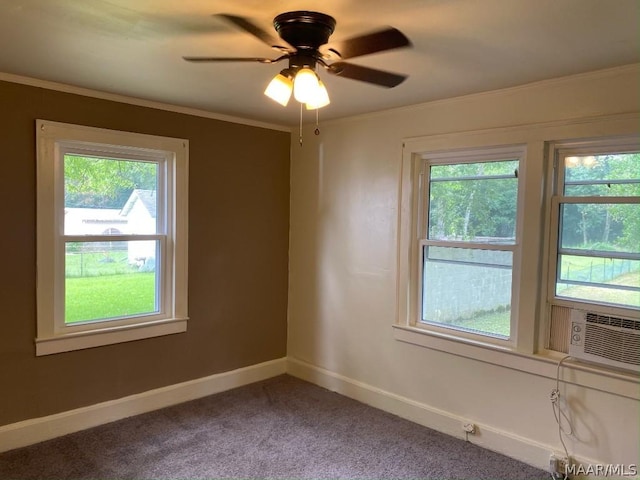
316	131
300	139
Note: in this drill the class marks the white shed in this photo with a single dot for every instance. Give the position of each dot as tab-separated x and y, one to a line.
140	213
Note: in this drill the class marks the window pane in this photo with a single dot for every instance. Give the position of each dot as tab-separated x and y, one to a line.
473	202
105	280
109	196
600	227
467	289
601	280
602	175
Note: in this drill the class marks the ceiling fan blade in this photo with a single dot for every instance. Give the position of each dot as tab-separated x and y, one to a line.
380	41
366	74
249	27
229	59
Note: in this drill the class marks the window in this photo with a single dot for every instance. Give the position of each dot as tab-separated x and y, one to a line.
492	254
595	257
467	242
112	236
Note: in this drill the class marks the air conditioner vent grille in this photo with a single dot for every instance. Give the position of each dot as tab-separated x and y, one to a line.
612	321
606	340
612	344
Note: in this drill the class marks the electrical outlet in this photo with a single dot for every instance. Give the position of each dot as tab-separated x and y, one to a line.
558	465
469	428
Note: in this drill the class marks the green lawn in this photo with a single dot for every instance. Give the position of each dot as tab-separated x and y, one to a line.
89	264
597	270
609	295
108	296
601	271
492	323
496	323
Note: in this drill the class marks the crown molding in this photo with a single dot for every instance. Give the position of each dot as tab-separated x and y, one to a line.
86	92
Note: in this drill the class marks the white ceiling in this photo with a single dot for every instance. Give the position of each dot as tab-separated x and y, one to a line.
134	48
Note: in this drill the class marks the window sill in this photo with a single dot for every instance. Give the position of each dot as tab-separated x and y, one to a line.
543	364
108	336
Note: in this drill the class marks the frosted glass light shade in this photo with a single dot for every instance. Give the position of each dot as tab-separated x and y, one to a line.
321	98
305	85
279	89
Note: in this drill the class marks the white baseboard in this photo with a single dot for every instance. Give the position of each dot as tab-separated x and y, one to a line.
36	430
506	443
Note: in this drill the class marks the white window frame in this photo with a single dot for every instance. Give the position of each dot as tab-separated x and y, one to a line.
530	354
559	151
54	140
474	155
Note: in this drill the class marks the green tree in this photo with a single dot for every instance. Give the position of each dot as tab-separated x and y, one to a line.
467	202
105	183
605	225
628	167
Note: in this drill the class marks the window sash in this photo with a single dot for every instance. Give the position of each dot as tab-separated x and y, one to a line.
505	247
494	155
563	150
557	203
163	284
164	178
424	182
558	198
468	332
163	220
599	254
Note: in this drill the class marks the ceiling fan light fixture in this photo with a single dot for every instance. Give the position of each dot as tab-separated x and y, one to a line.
280	88
321	98
305	85
301	35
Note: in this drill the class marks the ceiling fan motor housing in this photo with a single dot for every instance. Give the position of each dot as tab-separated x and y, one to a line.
304	30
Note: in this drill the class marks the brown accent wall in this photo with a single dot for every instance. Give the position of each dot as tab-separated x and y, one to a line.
238	253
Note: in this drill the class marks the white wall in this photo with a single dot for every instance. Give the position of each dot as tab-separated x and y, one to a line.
342	286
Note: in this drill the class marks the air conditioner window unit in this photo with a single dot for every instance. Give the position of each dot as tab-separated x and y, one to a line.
605	340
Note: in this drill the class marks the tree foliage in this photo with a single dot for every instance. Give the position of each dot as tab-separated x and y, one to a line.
602	226
105	183
478	201
473	200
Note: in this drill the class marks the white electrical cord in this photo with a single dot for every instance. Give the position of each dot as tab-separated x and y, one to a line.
558	413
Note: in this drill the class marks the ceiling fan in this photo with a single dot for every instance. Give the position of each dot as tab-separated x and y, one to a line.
301	36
